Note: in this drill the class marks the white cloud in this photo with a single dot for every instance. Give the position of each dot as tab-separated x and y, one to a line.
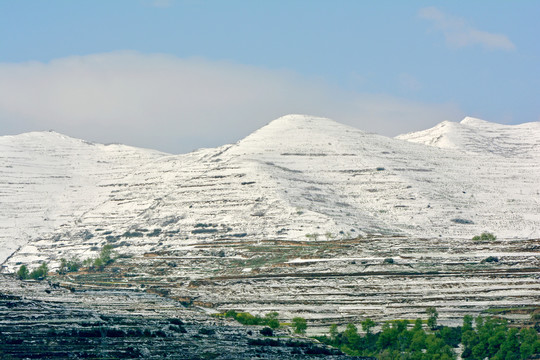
176	105
460	34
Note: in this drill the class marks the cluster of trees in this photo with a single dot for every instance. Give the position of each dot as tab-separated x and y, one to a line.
71	265
395	341
105	258
491	338
271	320
37	274
98	263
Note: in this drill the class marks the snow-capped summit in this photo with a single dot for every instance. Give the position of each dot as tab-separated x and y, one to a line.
480	136
472	121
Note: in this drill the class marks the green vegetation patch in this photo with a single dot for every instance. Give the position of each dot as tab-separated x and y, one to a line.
37	274
491	338
245	318
485	236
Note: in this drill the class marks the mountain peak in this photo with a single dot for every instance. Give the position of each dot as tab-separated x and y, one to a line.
296	120
298	134
471	121
481	136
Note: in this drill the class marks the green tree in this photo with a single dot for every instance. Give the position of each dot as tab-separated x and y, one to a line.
432	317
105	258
23	272
388	337
351	334
106	254
417	325
247	319
333	332
98	264
40	273
418	341
299	325
271	319
530	344
367	325
71	265
451	335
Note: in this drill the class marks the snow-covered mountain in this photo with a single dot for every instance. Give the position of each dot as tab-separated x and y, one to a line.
480	136
298	178
48	181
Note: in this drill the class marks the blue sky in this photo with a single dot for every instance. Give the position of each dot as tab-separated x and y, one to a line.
177	75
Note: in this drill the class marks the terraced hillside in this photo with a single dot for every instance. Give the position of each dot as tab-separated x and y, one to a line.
305	216
46	321
338	281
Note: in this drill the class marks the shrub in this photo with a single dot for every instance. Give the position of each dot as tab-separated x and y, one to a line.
462	221
388	261
248	319
485	236
266	331
490	259
155	232
23	272
111	238
130	234
204	231
203	225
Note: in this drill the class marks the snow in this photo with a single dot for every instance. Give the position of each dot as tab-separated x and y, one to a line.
480	136
298	178
48	181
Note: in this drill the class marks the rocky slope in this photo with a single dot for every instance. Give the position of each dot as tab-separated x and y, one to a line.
46	321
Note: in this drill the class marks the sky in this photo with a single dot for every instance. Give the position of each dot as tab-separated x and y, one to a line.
177	75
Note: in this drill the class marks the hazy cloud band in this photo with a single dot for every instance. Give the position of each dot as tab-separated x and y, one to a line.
176	105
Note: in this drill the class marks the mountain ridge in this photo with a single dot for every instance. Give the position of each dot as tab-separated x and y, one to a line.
476	135
297	176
